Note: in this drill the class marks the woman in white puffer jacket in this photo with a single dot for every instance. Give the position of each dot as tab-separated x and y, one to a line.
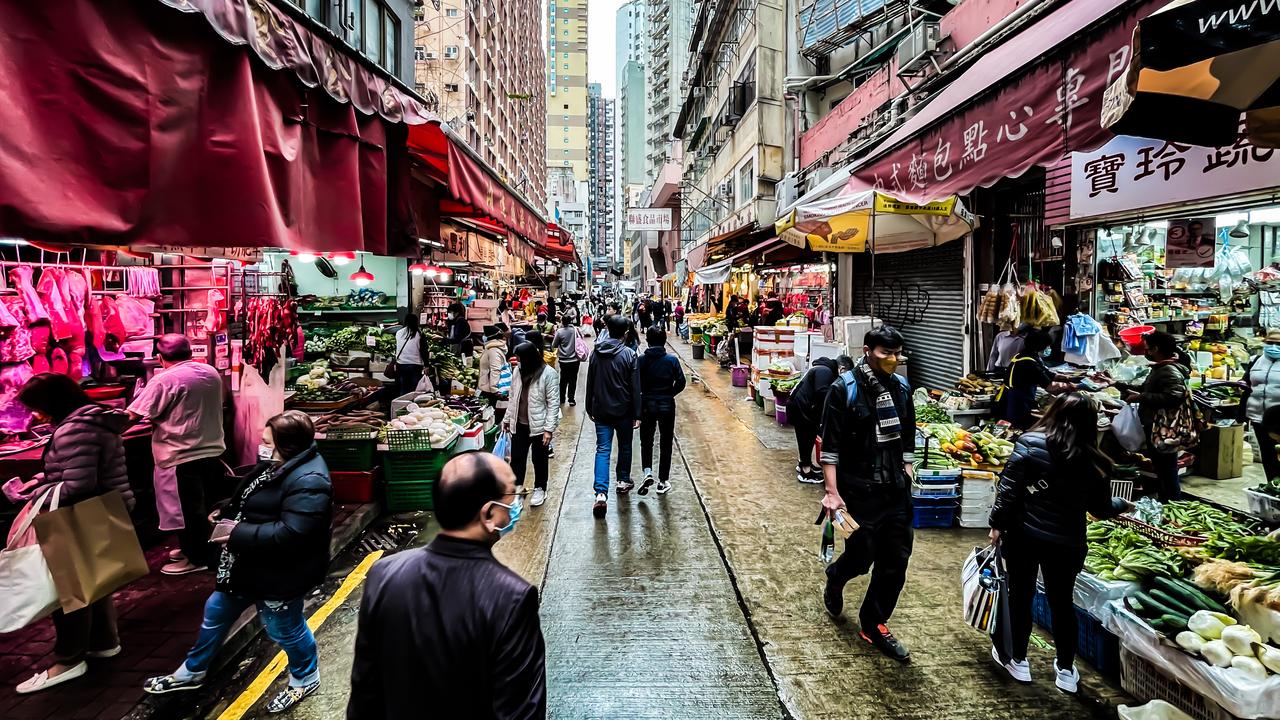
532	417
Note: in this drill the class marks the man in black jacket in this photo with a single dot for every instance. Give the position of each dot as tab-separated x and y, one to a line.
613	404
447	631
868	444
661	379
804	412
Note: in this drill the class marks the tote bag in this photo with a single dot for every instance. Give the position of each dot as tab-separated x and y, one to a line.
580	348
985	589
92	549
27	592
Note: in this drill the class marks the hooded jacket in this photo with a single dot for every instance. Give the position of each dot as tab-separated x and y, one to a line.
1164	389
280	548
613	383
661	379
86	455
1047	498
491	362
811	393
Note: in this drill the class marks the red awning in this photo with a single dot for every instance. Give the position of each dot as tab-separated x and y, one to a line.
473	191
1031	100
559	245
129	122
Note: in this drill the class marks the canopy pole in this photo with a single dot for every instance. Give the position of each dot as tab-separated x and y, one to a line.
871	300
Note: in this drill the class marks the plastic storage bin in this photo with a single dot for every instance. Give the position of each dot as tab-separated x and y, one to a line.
353	487
348	455
1145	681
741	373
933	511
1095	645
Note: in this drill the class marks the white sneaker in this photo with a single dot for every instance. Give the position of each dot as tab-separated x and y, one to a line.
539	497
1067	681
663	488
1019	670
647	483
42	681
601	505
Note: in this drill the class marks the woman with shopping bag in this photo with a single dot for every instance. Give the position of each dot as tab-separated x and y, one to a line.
274	532
1056	475
84	459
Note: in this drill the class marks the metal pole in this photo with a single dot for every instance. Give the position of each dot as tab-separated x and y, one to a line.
871	298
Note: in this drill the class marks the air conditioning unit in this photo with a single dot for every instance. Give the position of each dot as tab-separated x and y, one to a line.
432	55
725	189
697	91
818	175
918	47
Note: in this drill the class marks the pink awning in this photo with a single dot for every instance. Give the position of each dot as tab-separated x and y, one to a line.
1032	100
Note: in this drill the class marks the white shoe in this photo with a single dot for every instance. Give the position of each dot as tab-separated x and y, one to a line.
664	487
539	497
601	505
182	567
1067	681
176	555
103	654
1018	670
42	681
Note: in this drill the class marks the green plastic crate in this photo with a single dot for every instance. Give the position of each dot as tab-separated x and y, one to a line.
349	455
491	437
409	467
405	497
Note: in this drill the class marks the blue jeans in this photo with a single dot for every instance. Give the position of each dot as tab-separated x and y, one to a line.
283	621
604	444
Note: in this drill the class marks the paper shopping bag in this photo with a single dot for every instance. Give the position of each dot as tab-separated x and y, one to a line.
92	549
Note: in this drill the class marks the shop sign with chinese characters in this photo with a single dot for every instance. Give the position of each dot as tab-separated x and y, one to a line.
1133	173
644	219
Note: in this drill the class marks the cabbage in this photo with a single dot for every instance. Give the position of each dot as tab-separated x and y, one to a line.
1239	639
1209	625
1250	666
1217	653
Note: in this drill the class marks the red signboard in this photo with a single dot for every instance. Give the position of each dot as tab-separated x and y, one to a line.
1037	116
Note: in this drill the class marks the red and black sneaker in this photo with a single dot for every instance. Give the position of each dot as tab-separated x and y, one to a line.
884	641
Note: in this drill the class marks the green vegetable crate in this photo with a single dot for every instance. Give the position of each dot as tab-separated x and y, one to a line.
1095	645
491	437
410	477
347	451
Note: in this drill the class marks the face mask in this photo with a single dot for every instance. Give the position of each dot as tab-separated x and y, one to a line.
1271	351
513	510
266	452
1046	352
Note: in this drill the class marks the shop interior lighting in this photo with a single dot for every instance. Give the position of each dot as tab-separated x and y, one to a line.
445	274
418	268
362	277
1241	230
17	242
305	256
431	271
343	258
1268	216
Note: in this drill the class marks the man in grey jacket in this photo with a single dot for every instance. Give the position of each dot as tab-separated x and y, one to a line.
613	404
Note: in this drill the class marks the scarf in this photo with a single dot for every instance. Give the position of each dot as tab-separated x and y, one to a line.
888	426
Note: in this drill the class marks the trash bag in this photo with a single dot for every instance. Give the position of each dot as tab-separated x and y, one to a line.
1127	427
1154	710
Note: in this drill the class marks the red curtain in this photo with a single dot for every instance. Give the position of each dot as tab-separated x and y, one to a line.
127	122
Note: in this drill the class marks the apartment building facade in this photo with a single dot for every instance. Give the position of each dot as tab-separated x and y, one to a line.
603	182
566	73
480	65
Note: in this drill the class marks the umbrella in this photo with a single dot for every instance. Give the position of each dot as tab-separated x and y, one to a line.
1197	65
871	220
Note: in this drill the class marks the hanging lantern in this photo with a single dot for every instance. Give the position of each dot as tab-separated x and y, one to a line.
362	277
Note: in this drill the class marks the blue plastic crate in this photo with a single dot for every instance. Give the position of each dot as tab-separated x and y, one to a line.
1094	644
933	517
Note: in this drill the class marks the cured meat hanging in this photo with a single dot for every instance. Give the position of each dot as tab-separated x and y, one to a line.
269	324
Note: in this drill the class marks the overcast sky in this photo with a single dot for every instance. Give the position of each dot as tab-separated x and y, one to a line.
601	66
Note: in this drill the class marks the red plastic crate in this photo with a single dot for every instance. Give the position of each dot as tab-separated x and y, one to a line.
353	487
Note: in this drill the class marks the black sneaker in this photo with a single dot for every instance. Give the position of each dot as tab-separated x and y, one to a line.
624	486
884	641
291	696
833	599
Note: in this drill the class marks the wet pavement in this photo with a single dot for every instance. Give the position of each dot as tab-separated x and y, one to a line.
702	603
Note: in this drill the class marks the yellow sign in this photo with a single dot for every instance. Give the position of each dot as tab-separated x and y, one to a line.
886	204
843	233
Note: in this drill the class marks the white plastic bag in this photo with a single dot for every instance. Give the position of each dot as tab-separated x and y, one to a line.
1154	710
27	592
1127	427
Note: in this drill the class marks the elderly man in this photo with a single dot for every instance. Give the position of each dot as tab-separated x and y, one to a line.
448	631
184	404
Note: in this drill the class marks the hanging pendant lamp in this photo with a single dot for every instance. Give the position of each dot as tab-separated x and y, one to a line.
362	277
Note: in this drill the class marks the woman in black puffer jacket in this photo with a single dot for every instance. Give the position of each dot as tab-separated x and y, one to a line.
275	536
86	456
1056	475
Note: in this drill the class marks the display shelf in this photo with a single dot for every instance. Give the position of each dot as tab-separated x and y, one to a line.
349	312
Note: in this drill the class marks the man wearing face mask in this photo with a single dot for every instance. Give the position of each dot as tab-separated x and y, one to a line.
1263	375
447	630
1027	372
868	444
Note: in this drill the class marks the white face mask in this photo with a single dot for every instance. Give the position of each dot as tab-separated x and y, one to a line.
266	452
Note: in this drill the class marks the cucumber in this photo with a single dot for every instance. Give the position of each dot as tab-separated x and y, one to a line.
1190	592
1172	602
1169	624
1154	606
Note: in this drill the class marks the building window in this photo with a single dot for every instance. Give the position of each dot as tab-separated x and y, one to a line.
566	66
451	87
391	44
373	30
420	88
419	52
419	13
566	56
746	183
450	52
451	12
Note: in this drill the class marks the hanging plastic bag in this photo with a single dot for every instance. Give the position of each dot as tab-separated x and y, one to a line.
1010	310
1127	427
502	446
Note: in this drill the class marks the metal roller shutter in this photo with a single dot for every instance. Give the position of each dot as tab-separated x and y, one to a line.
921	292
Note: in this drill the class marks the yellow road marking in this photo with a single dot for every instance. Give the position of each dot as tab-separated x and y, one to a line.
260	684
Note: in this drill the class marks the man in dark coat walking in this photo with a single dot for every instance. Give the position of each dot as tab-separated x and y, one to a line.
448	631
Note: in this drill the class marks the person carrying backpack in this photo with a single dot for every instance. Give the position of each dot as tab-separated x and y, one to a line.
868	444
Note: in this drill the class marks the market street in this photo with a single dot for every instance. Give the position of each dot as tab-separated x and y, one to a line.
708	603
